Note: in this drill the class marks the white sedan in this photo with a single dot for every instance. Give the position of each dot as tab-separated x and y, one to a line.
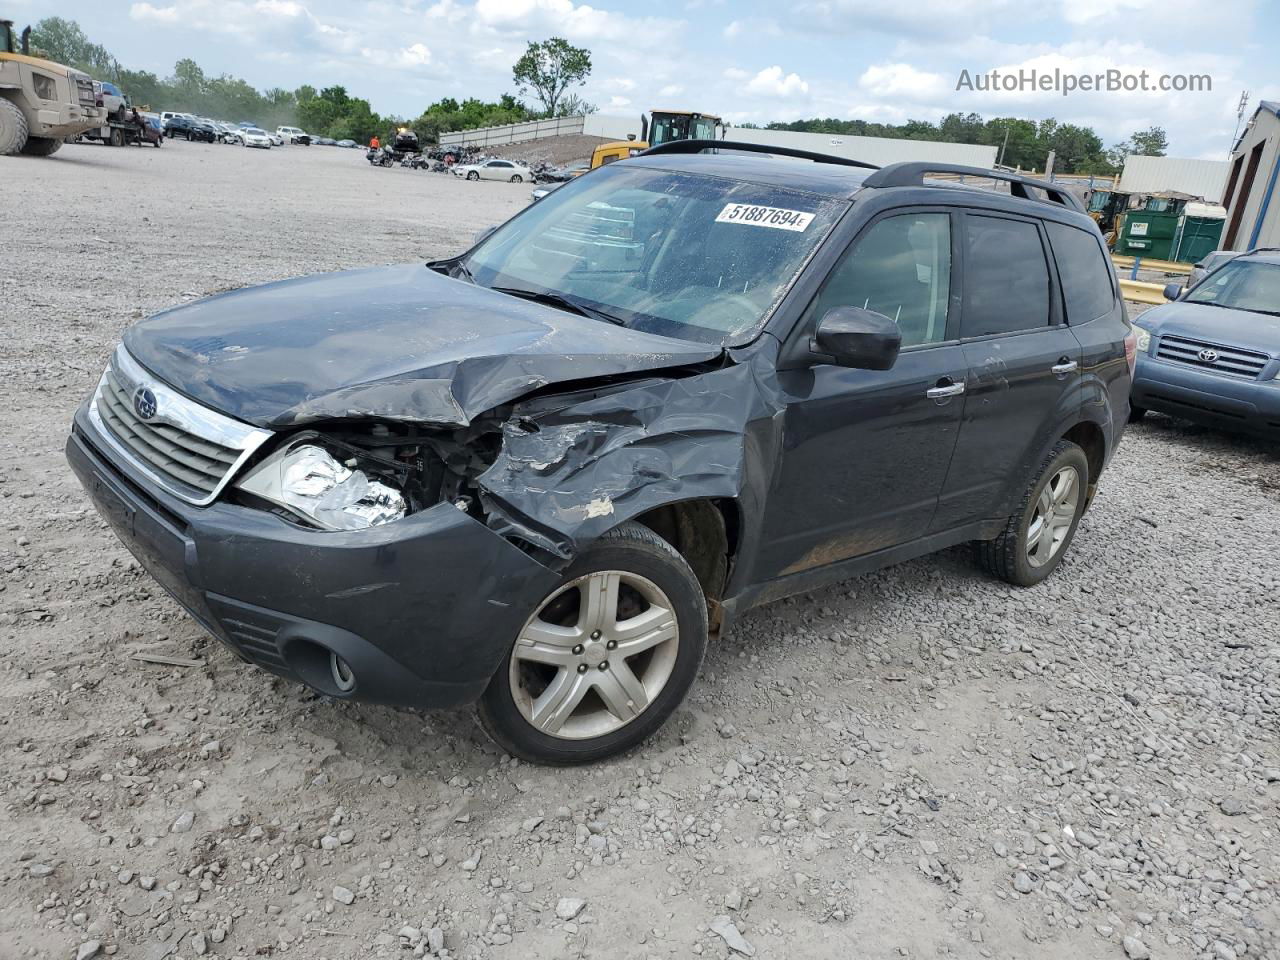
494	170
253	137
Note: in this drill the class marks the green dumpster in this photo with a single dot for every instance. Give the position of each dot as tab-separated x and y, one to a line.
1148	234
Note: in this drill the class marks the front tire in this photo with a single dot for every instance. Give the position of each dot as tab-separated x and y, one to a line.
473	175
605	658
41	146
13	129
517	179
1039	532
1136	413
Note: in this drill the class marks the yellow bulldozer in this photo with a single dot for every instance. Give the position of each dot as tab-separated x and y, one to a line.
41	102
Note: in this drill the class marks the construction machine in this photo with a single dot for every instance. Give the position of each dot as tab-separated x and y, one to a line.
661	126
41	102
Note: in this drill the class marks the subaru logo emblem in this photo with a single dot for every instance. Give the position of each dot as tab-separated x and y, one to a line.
1208	356
144	403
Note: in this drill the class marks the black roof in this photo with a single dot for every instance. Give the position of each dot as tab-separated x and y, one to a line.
825	179
841	178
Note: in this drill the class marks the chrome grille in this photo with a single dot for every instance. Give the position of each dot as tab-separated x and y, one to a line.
199	463
188	449
1212	356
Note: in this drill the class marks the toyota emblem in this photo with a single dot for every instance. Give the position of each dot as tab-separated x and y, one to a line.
1208	356
144	403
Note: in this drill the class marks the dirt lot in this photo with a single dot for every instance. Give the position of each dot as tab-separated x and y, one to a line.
919	763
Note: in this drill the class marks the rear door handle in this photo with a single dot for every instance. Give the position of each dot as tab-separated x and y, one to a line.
945	388
1064	366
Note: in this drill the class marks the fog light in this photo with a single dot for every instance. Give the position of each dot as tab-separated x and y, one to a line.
343	678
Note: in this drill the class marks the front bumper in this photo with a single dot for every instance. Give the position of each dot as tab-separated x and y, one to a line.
422	610
1232	403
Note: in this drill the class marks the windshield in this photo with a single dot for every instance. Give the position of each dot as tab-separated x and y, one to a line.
1241	285
678	254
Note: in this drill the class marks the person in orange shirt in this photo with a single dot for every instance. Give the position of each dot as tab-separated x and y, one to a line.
374	144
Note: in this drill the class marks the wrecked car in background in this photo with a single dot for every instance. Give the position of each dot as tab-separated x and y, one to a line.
538	475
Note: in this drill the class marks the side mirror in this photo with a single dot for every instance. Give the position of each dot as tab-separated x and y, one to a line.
855	337
1172	291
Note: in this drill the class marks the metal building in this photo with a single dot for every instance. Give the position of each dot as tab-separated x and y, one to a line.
1253	212
1196	178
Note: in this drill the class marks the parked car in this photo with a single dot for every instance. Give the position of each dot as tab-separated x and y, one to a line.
675	389
275	138
151	131
1209	263
181	125
253	137
494	170
1213	355
347	143
230	133
294	135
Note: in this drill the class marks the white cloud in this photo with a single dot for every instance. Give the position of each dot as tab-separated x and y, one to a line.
733	29
902	80
145	11
414	55
770	82
671	90
619	102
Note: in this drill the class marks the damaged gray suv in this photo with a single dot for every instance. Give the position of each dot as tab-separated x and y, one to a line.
538	477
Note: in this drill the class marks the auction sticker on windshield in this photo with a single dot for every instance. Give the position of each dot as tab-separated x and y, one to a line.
776	217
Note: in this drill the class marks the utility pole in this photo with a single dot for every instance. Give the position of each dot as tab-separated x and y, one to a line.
1048	166
1000	158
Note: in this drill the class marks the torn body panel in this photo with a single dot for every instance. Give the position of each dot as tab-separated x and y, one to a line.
565	476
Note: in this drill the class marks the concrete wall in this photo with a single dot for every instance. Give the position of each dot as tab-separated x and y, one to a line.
1254	227
1199	178
512	133
877	150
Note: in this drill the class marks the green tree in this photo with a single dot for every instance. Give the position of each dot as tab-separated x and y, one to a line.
1152	142
548	68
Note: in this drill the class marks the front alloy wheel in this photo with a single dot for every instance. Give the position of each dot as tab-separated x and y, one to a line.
584	672
604	658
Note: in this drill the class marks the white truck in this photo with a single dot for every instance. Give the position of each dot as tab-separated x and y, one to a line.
293	135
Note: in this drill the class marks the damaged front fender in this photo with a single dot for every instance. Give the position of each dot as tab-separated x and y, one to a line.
562	478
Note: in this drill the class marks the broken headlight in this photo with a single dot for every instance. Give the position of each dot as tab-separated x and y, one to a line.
334	493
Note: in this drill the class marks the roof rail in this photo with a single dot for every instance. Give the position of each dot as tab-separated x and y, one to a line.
698	146
912	174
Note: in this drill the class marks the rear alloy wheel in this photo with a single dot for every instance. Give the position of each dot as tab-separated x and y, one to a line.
13	128
604	658
1037	535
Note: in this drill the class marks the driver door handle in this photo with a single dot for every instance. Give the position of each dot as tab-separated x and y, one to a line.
945	388
1064	366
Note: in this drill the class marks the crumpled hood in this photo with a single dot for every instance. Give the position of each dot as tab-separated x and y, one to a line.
400	343
1234	328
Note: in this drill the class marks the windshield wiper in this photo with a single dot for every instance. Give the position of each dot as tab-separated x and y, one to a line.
561	302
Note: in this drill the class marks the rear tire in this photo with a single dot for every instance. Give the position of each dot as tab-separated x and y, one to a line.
655	606
13	129
41	146
117	137
1038	534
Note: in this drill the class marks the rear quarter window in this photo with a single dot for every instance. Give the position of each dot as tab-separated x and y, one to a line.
1084	272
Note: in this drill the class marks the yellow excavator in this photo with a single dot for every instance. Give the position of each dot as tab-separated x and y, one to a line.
661	126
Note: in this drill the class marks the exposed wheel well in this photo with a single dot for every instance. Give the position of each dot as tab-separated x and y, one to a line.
1088	437
705	532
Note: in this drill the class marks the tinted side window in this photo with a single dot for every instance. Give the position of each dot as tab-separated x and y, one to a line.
901	268
1083	272
1006	278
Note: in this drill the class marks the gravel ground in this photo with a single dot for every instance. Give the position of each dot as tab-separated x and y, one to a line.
919	763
